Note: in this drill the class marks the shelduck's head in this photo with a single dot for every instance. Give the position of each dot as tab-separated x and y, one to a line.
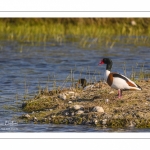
108	63
82	82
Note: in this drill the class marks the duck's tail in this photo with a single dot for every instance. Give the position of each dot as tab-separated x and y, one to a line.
136	88
139	87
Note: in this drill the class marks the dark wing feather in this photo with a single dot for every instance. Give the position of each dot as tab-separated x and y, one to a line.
120	76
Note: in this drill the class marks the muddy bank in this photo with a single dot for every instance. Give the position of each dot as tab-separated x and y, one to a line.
95	105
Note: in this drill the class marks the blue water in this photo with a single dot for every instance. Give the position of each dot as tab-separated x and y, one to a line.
24	67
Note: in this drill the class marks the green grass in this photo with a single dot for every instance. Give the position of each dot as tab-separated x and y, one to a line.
87	31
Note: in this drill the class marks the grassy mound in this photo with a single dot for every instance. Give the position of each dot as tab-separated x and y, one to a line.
78	107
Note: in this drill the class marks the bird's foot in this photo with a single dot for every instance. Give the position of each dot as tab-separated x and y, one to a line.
119	97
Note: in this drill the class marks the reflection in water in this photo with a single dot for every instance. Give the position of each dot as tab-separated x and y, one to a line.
25	67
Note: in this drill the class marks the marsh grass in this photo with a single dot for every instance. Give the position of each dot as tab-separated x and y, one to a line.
142	72
138	73
89	32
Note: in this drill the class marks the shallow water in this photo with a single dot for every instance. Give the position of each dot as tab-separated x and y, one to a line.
26	67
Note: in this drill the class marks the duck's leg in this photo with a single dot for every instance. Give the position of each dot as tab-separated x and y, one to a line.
119	93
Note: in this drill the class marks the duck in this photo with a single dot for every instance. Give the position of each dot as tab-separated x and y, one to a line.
116	80
82	82
85	85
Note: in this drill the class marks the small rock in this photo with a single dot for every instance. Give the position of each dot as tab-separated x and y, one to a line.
70	102
53	116
71	93
133	23
88	87
62	96
111	92
104	121
72	114
132	124
77	107
49	119
35	119
98	109
79	112
26	116
107	100
66	113
95	121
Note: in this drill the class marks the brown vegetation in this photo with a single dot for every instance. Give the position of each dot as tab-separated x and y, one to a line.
132	110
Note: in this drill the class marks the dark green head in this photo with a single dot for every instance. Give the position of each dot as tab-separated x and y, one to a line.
82	82
108	63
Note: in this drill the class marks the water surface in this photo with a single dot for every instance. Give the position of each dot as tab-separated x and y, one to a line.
26	67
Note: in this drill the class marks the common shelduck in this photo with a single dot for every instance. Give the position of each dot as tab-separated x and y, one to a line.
116	80
83	83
